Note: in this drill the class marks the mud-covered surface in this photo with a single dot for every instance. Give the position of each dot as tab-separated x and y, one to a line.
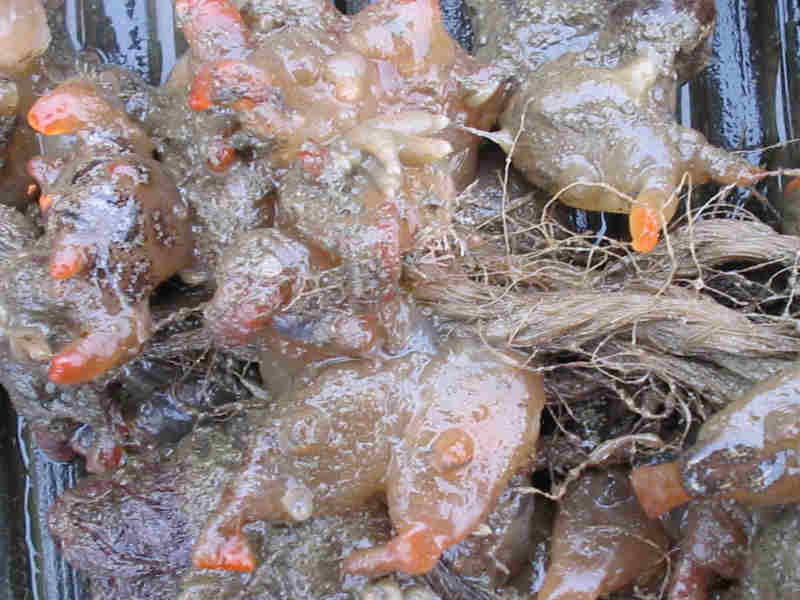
313	335
771	568
521	36
602	540
746	452
419	430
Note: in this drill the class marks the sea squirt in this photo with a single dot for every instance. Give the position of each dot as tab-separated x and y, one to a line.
334	256
440	435
304	85
24	35
366	111
605	139
715	542
523	35
292	299
602	540
362	207
38	313
114	220
748	451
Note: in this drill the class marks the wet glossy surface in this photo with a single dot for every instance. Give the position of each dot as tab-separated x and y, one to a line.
522	36
24	34
361	107
296	304
114	223
602	540
714	543
291	327
336	72
749	450
429	432
639	161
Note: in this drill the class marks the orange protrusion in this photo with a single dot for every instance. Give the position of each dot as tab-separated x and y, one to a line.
72	365
453	448
52	124
645	227
45	201
239	79
414	552
200	96
67	261
67	109
213	28
223	156
90	356
659	488
230	554
792	186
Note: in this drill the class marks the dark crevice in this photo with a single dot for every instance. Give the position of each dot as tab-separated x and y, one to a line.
14	567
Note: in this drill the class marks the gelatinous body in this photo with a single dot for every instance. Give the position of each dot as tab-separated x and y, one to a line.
366	232
38	313
748	451
300	300
81	107
266	292
307	84
605	139
770	570
440	436
270	284
366	110
523	35
504	546
714	543
114	220
602	540
24	33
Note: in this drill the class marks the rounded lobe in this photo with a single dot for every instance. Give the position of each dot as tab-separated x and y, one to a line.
67	109
645	228
414	553
102	349
66	261
659	488
453	448
24	33
232	553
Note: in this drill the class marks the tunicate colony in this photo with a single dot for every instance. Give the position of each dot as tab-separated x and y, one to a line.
311	148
